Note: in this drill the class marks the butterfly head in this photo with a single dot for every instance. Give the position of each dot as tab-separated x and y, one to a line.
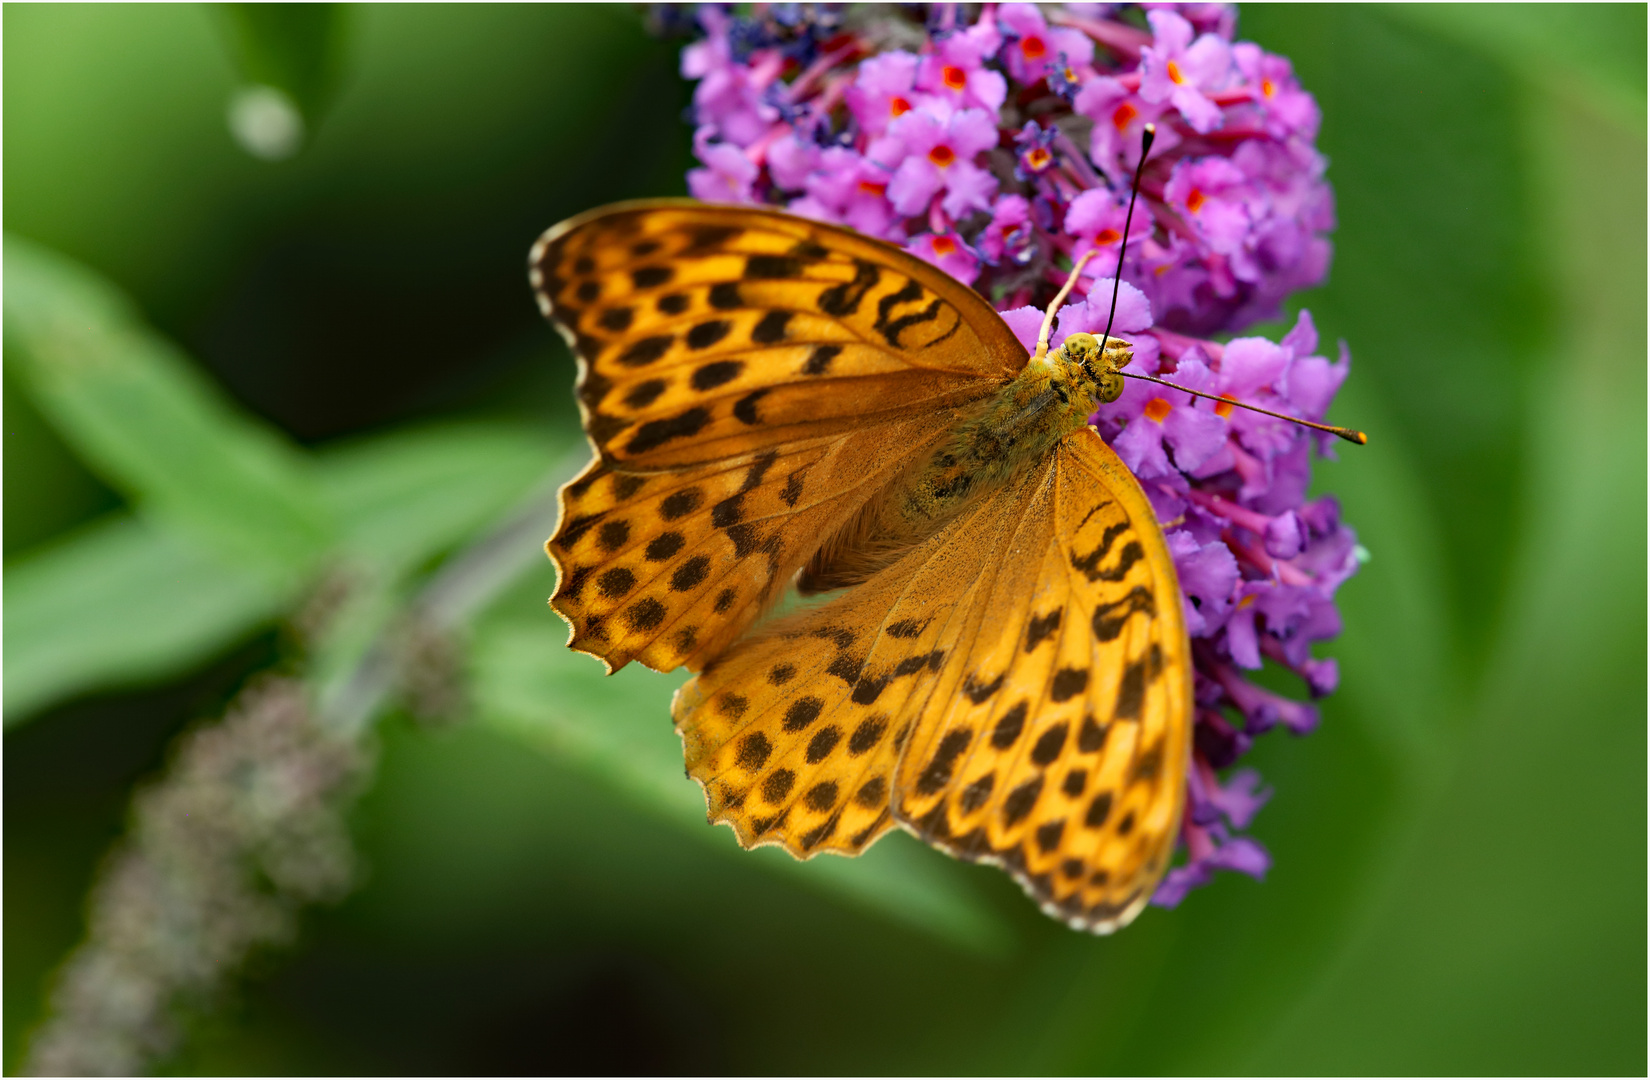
1096	374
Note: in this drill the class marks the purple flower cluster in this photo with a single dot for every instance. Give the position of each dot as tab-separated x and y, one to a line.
1000	147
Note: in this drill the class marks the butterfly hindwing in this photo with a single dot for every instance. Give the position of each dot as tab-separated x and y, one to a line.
669	567
1017	689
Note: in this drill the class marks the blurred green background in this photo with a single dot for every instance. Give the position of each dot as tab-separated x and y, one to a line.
340	350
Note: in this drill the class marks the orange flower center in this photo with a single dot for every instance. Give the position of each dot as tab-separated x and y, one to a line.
1038	158
942	155
1174	74
1157	410
1246	601
1267	88
1194	201
1124	116
898	106
872	189
1107	236
1033	48
944	245
955	77
1223	407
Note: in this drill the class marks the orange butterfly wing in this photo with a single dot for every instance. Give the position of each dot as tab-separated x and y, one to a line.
748	380
1016	690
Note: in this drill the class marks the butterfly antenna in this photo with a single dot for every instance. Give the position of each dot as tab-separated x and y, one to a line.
1128	219
1349	434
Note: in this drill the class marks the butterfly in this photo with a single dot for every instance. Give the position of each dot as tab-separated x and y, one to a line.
1001	665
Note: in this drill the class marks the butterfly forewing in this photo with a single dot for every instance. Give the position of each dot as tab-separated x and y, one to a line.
1016	690
706	332
749	380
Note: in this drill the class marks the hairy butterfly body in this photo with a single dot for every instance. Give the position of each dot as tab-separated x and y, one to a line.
774	401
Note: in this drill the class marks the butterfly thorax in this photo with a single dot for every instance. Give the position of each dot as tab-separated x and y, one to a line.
1018	427
993	442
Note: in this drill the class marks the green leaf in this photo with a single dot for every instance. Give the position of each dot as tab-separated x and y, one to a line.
528	683
403	497
130	600
122	602
140	415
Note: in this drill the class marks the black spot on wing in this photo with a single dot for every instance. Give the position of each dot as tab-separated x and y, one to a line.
893	330
1041	627
745	408
867	689
778	785
724	296
803	712
977	692
1131	692
821	745
663	546
821	797
646	351
772	267
615	582
645	614
753	751
844	299
770	330
708	237
644	393
706	334
975	795
691	574
655	433
1109	619
819	361
1019	802
648	277
1149	763
616	320
758	469
940	766
613	535
1009	726
1091	736
679	504
867	734
1068	683
1048	745
1087	565
719	372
